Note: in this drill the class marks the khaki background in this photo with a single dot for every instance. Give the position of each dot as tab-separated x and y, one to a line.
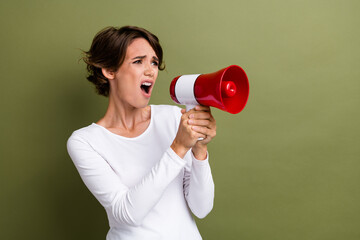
287	167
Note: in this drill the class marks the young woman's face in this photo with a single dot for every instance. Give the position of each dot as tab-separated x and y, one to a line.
135	79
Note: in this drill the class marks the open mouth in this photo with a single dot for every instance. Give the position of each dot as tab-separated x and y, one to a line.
146	86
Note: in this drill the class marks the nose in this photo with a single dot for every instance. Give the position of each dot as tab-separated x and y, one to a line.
149	71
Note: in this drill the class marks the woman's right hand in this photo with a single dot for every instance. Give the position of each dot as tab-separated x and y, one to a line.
185	138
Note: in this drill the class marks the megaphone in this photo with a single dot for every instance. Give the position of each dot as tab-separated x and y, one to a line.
226	89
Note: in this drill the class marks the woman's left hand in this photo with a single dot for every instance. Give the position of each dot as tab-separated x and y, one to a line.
202	122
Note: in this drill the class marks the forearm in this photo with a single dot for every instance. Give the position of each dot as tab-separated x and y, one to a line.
200	192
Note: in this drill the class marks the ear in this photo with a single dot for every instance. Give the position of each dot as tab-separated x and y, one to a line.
108	73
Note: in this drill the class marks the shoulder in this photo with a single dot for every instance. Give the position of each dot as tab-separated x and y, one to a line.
86	134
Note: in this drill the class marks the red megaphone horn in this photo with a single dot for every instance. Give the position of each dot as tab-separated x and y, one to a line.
226	89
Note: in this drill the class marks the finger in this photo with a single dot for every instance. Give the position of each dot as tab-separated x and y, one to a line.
200	115
199	135
203	130
186	114
202	108
203	123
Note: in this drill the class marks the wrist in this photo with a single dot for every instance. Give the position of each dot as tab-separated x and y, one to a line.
179	149
199	152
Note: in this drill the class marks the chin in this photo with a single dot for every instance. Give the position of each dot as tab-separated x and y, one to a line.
142	105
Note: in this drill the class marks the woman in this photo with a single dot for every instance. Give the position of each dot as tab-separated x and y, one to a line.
143	163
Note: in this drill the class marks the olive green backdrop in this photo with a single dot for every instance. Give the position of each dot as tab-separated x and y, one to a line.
287	167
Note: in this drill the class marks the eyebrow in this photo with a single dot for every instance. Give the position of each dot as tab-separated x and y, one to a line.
142	57
138	57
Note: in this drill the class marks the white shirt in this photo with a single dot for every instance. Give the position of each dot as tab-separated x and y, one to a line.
144	186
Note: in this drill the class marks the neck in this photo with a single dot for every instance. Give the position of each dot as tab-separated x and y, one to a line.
123	116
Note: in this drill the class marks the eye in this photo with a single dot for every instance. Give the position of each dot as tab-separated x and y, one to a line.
137	62
155	63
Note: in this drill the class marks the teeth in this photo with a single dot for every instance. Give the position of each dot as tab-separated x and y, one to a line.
146	84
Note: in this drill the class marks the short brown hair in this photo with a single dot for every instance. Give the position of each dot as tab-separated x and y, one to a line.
108	50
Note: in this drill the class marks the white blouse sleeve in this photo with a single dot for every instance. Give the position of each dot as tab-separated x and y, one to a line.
199	186
127	205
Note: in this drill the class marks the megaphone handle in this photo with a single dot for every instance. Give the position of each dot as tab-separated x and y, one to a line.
188	108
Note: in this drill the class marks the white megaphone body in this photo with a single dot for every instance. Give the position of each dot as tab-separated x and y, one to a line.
226	89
